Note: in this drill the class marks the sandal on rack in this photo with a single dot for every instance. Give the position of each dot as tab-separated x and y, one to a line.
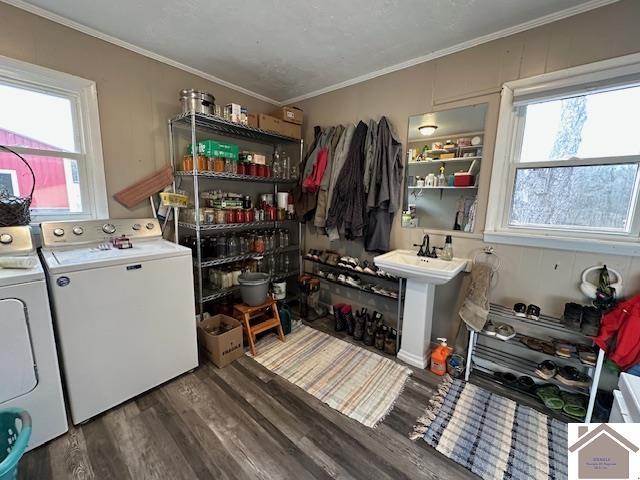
532	343
574	405
546	369
550	396
505	332
572	377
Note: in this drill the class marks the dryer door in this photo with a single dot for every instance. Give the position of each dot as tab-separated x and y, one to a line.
17	369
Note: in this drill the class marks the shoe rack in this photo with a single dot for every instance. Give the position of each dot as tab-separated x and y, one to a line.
398	283
512	355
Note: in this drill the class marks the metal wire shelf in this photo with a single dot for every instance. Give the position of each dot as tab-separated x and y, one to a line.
234	226
210	295
247	256
235	176
225	127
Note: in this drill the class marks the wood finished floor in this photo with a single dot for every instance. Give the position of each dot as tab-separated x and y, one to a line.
243	422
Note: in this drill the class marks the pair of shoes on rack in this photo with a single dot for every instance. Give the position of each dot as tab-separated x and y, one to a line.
566	374
384	291
522	310
501	331
584	318
313	254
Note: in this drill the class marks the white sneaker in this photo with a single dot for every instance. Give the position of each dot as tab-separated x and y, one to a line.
342	278
353	282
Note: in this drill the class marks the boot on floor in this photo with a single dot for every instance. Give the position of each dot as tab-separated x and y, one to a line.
347	315
339	323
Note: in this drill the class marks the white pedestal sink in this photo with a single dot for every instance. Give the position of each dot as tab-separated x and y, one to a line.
423	274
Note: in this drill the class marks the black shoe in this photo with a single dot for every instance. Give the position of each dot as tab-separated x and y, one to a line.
340	323
369	334
526	383
572	317
591	317
350	322
520	310
361	321
381	334
390	343
533	312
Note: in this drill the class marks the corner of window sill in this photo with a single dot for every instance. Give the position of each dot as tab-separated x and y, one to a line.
609	247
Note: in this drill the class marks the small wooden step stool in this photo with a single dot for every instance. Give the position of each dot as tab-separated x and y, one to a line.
246	314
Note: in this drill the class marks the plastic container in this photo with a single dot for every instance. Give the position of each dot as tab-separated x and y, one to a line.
439	357
13	443
463	179
254	288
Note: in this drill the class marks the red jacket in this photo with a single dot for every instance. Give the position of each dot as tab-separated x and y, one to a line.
623	320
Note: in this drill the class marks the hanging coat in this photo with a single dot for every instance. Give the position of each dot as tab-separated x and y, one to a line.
384	196
623	323
323	194
348	206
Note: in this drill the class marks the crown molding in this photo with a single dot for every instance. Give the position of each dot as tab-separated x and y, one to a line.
142	51
538	22
553	17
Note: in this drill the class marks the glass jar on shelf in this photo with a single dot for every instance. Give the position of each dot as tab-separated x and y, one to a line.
271	260
232	246
284	238
187	163
221	246
259	244
268	241
286	173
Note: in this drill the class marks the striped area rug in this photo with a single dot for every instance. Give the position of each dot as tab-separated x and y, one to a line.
358	383
492	436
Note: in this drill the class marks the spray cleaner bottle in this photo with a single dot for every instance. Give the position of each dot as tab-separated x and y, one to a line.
439	357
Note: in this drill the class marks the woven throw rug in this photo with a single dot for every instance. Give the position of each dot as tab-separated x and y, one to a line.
358	383
492	436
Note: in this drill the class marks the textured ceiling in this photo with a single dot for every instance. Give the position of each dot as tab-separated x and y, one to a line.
283	49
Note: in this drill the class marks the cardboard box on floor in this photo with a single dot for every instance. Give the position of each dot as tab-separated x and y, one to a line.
222	348
289	114
267	122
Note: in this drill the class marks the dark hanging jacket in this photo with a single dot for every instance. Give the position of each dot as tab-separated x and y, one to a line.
305	202
384	189
348	205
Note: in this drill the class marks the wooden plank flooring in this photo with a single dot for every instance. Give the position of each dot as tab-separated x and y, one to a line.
243	422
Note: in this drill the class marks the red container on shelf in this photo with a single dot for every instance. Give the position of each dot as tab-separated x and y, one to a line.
253	170
270	213
267	170
241	216
242	168
262	172
229	216
463	179
249	215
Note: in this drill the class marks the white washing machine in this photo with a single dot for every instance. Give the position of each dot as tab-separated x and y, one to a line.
125	318
29	372
626	400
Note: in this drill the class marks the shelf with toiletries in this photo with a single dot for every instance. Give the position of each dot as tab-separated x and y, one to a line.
445	155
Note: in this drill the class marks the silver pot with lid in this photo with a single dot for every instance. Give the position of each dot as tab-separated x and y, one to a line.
196	101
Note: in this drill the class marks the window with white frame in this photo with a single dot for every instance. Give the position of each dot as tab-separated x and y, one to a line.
566	169
51	119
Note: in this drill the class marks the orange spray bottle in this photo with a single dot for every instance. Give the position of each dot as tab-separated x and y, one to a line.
439	357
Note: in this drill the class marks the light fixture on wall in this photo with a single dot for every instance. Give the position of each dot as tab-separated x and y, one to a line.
427	130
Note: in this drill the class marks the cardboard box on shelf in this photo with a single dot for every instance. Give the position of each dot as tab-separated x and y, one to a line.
221	337
289	114
444	156
252	120
267	122
291	130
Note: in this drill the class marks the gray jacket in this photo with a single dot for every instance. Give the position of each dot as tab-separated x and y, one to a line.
384	197
369	152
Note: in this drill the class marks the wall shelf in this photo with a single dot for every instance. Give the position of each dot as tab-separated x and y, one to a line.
437	162
234	226
212	262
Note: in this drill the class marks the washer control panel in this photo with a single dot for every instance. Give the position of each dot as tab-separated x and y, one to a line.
16	241
96	231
